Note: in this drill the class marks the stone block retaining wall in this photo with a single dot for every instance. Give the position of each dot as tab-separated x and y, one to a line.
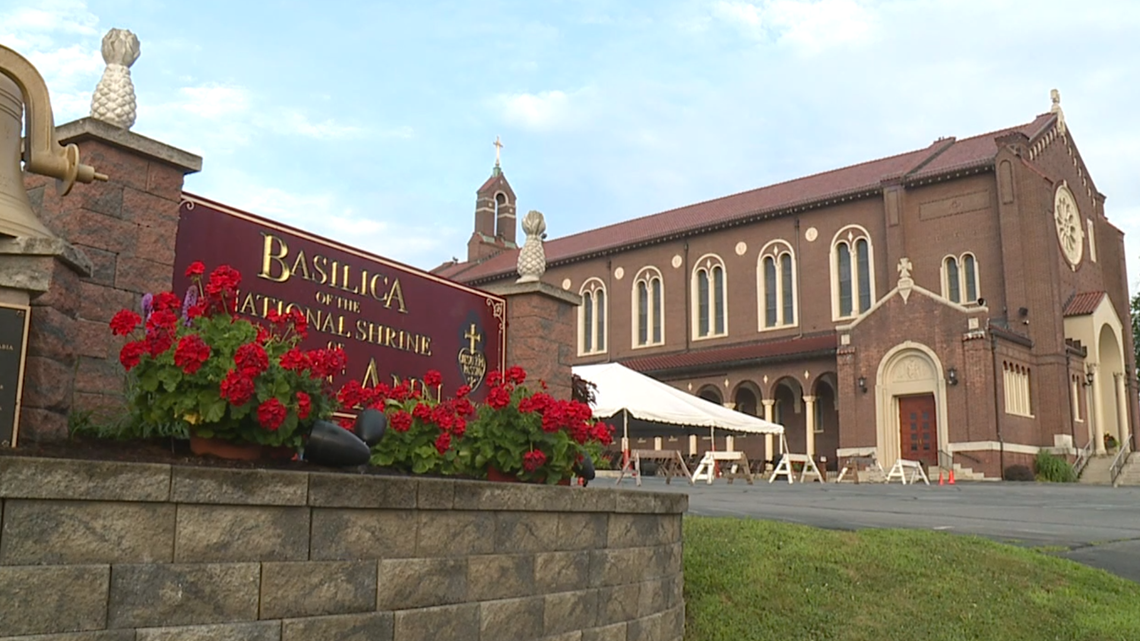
108	551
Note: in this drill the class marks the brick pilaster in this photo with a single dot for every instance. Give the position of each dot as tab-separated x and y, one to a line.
126	227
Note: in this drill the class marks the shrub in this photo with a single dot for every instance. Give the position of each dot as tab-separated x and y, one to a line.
1019	473
1053	469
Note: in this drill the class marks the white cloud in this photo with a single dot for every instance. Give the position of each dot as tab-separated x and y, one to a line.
295	122
336	215
213	101
809	26
70	69
34	25
546	110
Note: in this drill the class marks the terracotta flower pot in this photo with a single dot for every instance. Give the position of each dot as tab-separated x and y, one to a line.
501	477
225	449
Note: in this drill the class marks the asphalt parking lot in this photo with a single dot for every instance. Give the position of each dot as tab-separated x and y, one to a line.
1098	525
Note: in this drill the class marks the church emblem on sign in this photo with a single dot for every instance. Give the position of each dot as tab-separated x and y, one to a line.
472	361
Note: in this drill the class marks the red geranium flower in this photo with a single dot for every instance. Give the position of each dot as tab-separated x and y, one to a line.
271	414
251	359
125	322
433	378
516	375
351	394
295	360
236	388
166	301
400	421
157	342
533	460
162	319
196	268
304	405
498	398
300	323
131	353
443	443
191	353
222	280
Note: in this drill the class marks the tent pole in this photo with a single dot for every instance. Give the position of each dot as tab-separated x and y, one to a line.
625	437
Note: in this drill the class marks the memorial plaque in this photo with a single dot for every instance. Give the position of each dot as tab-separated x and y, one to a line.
393	321
13	345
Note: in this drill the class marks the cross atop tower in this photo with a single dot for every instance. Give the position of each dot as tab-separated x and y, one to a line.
498	148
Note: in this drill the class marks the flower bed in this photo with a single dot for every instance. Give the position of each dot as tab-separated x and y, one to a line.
198	371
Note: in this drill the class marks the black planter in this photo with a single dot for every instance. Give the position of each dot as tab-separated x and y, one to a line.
332	445
370	426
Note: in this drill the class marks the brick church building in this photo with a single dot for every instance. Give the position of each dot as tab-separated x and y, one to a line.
965	304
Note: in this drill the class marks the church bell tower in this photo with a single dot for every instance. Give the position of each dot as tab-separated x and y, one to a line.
495	225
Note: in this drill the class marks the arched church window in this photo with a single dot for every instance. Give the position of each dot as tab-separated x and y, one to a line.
852	272
710	306
649	301
592	318
776	284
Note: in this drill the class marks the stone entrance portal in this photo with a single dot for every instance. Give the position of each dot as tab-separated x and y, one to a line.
910	382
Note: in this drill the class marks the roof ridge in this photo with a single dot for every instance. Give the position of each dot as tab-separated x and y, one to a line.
952	141
800	192
949	142
748	191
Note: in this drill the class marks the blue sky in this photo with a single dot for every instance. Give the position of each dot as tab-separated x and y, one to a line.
373	122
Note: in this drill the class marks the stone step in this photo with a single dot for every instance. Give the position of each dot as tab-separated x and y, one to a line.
1097	472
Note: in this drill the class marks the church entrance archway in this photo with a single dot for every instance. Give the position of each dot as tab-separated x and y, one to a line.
910	382
1110	387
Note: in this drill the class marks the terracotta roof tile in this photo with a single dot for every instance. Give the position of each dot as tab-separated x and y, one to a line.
977	150
943	155
1083	303
736	353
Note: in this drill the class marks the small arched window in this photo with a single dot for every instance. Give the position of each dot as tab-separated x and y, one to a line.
852	272
649	303
710	305
960	279
776	286
592	318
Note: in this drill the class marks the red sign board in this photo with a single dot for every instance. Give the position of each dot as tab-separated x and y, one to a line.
393	321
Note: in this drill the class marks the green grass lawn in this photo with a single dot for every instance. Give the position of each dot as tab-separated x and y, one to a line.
749	579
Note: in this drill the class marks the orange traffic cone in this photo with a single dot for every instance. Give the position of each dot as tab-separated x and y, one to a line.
940	480
951	477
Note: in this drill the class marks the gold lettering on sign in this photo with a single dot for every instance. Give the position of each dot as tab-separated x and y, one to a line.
279	266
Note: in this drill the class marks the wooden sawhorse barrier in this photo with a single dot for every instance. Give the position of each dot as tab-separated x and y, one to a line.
900	468
852	463
784	467
739	467
670	462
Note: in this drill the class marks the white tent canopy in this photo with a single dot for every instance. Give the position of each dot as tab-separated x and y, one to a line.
622	389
